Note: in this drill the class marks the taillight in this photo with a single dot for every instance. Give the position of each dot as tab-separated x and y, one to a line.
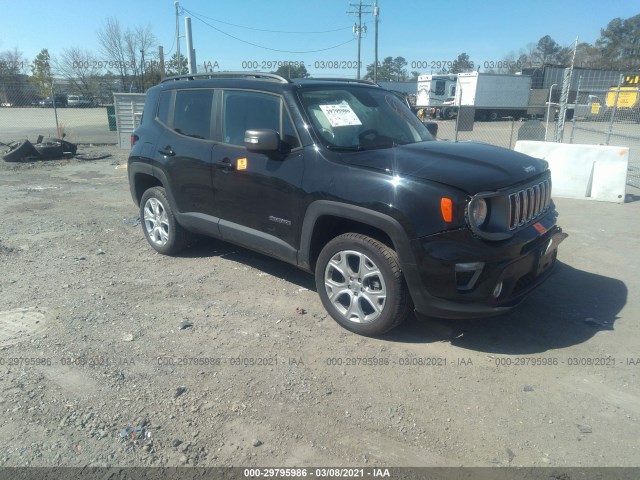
134	139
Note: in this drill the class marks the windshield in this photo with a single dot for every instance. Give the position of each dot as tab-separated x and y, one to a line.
361	118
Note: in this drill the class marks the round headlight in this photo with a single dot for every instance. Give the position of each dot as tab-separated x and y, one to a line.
478	210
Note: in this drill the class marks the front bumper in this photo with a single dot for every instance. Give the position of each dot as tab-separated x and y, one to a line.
494	277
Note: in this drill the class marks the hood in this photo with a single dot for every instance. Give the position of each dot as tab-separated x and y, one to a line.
469	166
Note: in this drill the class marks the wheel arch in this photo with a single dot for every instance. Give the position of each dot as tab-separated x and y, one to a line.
325	220
142	177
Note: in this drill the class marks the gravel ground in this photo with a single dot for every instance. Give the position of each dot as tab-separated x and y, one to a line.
113	355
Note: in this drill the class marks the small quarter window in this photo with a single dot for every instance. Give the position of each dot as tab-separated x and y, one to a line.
164	102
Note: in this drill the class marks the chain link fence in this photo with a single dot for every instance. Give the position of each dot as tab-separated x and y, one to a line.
602	108
25	114
607	114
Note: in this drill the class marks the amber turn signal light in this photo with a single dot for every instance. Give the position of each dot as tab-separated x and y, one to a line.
446	207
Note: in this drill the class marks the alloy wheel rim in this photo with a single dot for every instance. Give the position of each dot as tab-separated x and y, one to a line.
156	222
355	286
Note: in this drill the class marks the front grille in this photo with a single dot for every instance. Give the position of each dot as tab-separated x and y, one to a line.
528	204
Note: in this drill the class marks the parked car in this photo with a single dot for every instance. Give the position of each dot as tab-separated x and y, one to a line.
60	101
339	178
78	101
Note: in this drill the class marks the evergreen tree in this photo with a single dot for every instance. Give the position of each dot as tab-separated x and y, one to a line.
41	73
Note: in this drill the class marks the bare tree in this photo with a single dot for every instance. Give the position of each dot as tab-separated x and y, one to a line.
126	50
112	41
510	63
12	62
140	47
146	43
14	86
80	68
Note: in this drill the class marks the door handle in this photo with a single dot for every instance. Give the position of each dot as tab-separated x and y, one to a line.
224	165
167	151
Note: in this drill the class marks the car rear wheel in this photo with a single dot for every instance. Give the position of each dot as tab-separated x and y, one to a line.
361	285
159	224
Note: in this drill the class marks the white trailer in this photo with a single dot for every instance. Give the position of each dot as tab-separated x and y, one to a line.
433	90
494	95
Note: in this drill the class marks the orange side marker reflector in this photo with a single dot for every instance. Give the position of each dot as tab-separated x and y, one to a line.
242	164
540	228
446	207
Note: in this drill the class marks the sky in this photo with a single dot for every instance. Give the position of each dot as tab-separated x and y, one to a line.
423	32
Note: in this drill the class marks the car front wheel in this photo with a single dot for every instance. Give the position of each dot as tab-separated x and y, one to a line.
360	283
159	224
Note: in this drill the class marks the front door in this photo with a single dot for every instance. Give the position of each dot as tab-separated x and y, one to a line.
256	195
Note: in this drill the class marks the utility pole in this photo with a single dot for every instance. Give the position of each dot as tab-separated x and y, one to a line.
358	29
177	4
191	57
376	15
161	58
142	71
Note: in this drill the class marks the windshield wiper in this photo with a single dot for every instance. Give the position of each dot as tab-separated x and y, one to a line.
346	148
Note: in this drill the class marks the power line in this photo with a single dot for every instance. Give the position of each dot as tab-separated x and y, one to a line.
264	29
263	47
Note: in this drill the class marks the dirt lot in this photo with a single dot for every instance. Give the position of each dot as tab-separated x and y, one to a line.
96	370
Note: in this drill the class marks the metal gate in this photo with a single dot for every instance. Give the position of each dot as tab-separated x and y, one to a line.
128	110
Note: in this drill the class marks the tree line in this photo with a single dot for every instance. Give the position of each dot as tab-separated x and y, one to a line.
617	48
128	61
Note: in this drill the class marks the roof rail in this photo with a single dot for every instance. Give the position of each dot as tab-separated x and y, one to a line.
210	75
339	79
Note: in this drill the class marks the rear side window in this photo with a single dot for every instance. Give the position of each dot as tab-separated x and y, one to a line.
192	113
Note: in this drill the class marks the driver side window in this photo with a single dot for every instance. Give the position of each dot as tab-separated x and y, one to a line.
253	110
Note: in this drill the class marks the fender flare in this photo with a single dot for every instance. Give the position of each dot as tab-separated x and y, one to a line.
135	167
381	221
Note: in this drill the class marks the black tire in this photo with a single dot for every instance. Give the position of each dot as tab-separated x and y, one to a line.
19	151
160	227
352	303
493	116
66	146
49	149
448	114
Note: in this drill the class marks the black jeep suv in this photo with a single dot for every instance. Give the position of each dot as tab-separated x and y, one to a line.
340	178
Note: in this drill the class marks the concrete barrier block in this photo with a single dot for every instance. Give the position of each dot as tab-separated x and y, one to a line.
595	172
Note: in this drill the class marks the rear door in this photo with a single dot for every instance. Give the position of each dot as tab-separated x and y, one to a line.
184	150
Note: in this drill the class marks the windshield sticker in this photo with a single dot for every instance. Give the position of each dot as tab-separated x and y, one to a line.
340	115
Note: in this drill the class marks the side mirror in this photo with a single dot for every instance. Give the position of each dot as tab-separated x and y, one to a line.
264	141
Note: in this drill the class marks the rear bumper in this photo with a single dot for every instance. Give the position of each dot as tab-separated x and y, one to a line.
457	275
